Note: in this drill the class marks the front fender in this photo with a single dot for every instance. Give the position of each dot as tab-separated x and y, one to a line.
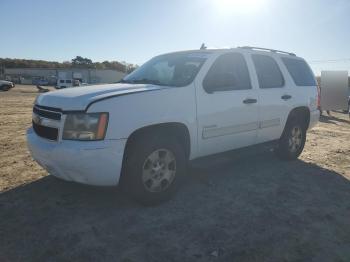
131	112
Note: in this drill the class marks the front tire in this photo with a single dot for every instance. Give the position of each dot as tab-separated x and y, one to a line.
154	168
292	141
5	88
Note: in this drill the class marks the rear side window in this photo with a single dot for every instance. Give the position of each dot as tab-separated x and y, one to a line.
300	72
228	72
269	74
68	81
61	81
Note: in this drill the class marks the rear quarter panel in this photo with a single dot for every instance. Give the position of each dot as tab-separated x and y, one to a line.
302	96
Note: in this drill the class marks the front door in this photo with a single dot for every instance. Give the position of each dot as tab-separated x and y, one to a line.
227	105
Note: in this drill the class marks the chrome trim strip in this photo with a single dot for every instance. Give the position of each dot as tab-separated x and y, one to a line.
42	109
39	120
211	131
229	130
46	113
270	123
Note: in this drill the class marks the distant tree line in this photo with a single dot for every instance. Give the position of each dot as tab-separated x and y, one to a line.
77	62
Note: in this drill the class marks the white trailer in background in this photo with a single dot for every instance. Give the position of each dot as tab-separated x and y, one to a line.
334	90
67	79
64	80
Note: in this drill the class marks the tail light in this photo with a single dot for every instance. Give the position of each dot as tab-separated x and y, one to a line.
318	97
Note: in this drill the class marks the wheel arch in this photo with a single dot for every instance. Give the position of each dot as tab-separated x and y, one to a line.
301	113
175	129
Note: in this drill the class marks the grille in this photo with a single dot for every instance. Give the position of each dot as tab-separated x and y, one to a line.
50	133
47	113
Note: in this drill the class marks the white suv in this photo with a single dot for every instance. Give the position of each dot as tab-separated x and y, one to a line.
177	107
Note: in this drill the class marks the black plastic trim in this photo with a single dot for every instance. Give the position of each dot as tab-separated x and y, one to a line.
54	109
47	132
48	114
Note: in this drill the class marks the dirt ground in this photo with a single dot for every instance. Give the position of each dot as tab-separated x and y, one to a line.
236	207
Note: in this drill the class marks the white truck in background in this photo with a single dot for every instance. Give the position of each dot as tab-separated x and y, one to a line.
66	80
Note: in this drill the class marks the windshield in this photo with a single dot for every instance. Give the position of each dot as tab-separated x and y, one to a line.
177	69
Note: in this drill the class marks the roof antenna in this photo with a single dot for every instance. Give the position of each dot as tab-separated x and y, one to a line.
203	47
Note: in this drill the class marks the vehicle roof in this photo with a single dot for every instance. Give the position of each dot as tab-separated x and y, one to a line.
244	49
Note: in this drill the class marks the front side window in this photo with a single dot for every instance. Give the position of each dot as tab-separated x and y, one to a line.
268	72
300	72
178	69
228	72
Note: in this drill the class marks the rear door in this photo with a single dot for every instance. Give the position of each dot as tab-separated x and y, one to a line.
274	95
227	104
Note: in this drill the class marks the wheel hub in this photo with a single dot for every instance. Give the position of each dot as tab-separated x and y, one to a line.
159	170
295	140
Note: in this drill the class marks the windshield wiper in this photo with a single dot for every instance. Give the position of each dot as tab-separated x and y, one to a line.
123	81
142	81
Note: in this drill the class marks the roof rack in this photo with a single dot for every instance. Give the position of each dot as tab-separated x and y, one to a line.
266	49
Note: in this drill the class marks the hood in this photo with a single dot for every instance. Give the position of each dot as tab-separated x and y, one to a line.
79	98
5	82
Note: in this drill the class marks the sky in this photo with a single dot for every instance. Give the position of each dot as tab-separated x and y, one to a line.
135	31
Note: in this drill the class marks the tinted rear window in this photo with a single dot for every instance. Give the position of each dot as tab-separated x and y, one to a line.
269	74
299	71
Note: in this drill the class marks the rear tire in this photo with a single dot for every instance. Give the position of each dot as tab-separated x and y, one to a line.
292	141
154	167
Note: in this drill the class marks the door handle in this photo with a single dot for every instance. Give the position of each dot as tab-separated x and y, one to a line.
250	101
286	97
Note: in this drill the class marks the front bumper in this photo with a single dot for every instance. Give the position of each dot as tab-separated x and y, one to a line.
89	162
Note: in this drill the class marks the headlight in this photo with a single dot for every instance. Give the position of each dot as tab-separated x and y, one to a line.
82	126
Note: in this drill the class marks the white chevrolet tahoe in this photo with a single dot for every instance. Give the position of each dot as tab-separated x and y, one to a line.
177	107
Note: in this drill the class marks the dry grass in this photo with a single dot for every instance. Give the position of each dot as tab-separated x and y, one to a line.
240	208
